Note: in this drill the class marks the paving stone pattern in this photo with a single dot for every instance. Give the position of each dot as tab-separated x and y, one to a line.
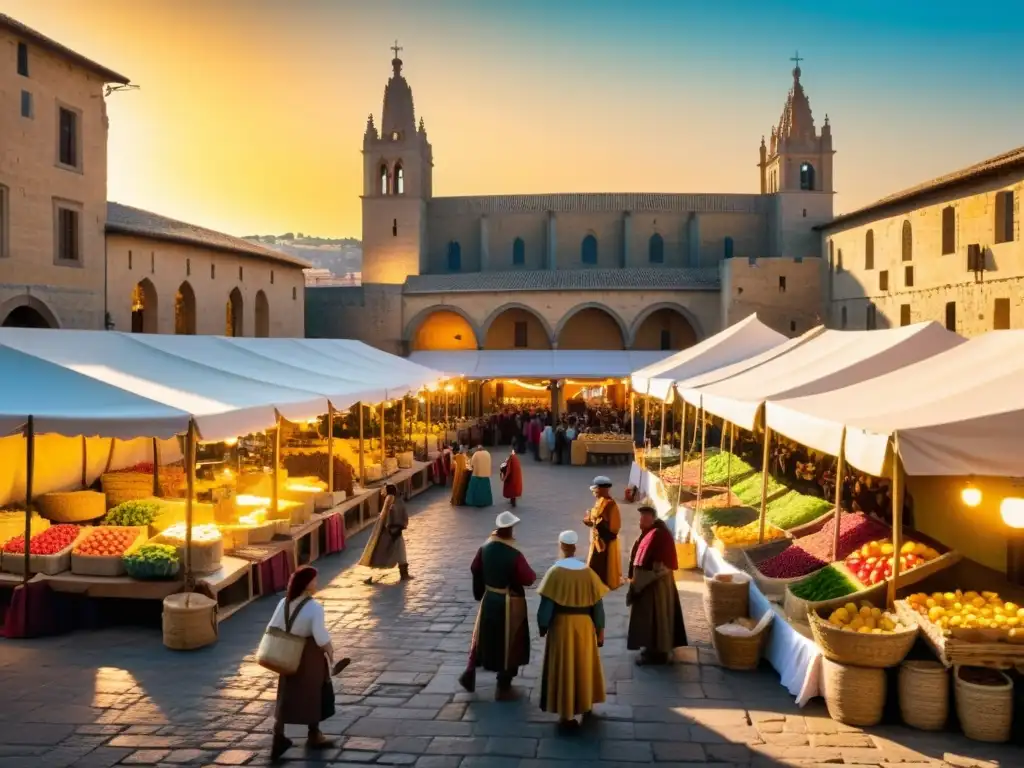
97	699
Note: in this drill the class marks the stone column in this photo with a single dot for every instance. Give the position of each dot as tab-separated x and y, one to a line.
552	249
485	246
627	234
693	241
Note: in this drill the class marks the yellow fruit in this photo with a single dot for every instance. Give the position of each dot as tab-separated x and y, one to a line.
864	612
857	623
949	597
870	622
936	612
955	621
865	630
978	602
888	625
1010	607
989	595
907	548
842	615
887	549
1013	621
850	609
970	595
876	632
876	612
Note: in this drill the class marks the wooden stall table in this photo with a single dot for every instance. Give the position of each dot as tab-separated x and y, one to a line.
613	451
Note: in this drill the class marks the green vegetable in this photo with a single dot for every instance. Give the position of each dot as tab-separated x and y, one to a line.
138	512
152	561
716	468
749	490
795	509
826	584
730	516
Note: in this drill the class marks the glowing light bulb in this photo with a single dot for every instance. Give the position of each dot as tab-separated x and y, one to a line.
231	441
971	496
1012	511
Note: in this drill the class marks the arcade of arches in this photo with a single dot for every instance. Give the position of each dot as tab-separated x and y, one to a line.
518	327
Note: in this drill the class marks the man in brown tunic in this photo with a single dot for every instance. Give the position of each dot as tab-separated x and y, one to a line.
604	522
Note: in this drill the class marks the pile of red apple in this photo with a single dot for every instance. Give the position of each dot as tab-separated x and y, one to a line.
875	561
54	539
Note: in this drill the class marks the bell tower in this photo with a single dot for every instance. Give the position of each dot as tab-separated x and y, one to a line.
796	167
397	183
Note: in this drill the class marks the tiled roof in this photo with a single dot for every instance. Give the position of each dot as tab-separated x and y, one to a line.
993	166
599	202
631	279
125	220
20	30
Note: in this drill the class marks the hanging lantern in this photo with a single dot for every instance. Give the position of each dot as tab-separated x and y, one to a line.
1012	512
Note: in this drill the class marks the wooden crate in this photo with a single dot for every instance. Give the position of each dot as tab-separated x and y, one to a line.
112	565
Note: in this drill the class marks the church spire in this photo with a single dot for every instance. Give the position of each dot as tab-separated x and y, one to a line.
398	120
796	122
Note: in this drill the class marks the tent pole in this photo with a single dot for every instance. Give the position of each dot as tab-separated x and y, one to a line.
840	475
661	438
190	492
401	423
85	461
897	517
728	463
276	460
426	435
30	465
682	440
447	400
700	477
362	460
764	480
647	415
383	413
330	446
156	469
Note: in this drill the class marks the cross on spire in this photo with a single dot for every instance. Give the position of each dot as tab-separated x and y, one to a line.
396	48
796	58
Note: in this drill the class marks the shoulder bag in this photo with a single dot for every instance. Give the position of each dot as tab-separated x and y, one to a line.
280	651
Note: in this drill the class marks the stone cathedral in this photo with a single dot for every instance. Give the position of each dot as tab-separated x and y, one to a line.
579	271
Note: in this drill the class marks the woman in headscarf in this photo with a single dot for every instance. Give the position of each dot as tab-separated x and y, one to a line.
386	547
305	697
461	481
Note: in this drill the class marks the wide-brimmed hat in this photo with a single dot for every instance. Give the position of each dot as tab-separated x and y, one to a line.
506	520
601	482
569	538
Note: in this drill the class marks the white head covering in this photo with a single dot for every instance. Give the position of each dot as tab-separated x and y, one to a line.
506	520
569	538
601	482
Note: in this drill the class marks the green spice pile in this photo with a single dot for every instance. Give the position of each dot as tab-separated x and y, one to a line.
827	584
749	490
716	468
795	509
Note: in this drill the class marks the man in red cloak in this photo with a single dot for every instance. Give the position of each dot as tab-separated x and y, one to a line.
512	478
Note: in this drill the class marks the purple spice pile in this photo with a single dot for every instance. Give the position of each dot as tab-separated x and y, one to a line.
810	553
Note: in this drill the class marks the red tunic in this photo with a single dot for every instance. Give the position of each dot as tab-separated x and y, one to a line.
512	488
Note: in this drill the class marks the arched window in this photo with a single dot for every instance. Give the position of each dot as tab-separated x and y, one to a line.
262	315
839	261
185	311
842	318
908	241
656	249
518	252
383	178
869	249
728	247
399	178
588	250
454	257
144	308
806	176
233	315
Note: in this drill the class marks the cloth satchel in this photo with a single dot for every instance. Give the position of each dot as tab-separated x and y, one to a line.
280	651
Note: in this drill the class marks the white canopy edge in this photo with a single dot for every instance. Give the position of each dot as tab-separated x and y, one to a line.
62	401
404	375
740	341
830	360
958	413
539	363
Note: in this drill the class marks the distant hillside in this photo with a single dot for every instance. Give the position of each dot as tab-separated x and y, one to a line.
339	255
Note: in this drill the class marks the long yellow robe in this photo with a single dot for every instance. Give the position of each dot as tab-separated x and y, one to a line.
571	616
605	556
460	481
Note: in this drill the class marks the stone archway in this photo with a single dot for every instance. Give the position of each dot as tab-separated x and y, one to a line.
441	327
27	312
591	326
664	327
234	314
516	326
145	308
185	310
262	315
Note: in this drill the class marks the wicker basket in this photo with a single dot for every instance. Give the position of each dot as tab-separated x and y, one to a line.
126	486
740	653
73	506
190	621
985	711
861	649
853	695
924	695
726	597
405	460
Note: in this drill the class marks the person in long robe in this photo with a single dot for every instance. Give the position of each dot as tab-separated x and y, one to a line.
655	614
571	617
386	547
501	637
460	483
478	492
512	478
604	521
547	442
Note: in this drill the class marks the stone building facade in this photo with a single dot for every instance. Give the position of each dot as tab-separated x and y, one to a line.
68	259
584	271
947	250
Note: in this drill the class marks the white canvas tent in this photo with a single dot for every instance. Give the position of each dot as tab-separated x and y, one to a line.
224	405
958	413
538	363
738	342
830	360
403	375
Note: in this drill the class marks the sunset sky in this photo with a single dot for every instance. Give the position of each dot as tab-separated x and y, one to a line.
251	112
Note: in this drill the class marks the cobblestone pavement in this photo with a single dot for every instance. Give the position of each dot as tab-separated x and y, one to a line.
95	699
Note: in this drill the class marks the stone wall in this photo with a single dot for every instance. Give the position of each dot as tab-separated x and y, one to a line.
786	293
369	313
34	183
943	288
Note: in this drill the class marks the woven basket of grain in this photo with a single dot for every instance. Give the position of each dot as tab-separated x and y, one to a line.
726	597
740	652
924	695
985	709
859	648
854	695
189	621
126	486
72	506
